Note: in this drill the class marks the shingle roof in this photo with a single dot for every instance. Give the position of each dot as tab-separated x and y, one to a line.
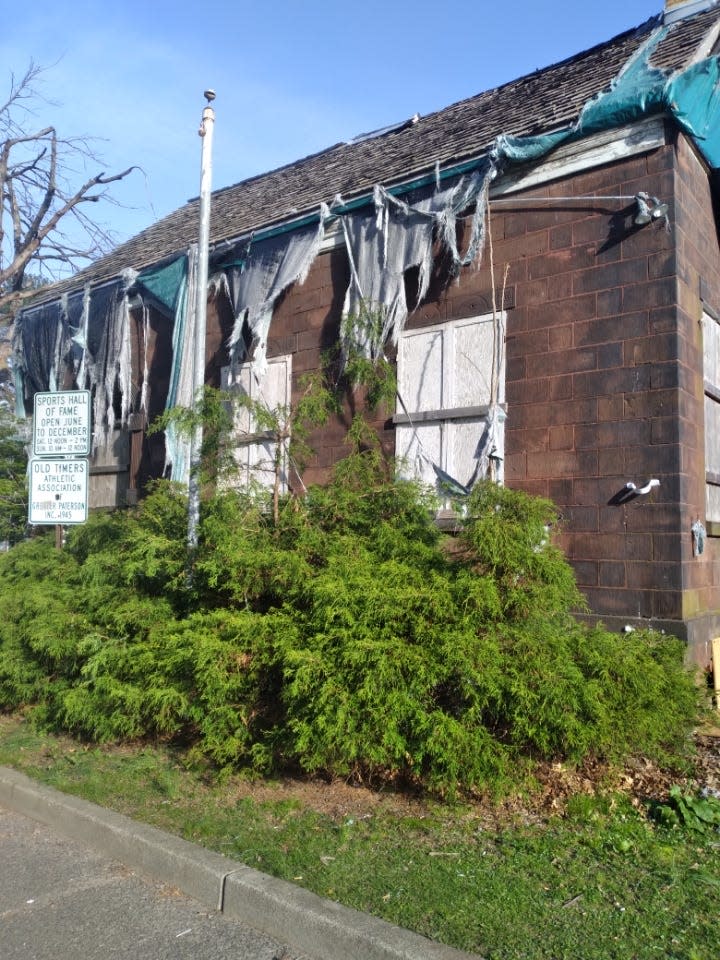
541	101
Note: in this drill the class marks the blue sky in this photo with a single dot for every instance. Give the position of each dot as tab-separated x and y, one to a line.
291	77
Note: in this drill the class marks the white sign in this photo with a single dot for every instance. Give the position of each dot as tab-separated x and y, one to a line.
61	424
58	491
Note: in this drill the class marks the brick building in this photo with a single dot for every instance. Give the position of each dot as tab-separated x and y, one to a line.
560	234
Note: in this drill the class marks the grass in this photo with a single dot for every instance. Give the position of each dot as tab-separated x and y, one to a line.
601	882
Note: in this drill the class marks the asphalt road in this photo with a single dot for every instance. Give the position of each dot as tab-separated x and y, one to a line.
62	901
73	886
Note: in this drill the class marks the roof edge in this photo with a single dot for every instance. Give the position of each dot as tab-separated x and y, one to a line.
681	9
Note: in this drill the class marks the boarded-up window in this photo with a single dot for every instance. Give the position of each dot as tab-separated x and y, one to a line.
256	446
445	384
711	373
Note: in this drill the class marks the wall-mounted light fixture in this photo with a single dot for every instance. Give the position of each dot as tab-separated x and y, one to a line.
631	491
649	209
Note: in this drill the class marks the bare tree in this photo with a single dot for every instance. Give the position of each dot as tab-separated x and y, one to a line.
45	230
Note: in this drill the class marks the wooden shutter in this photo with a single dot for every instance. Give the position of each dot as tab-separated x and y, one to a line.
255	455
444	380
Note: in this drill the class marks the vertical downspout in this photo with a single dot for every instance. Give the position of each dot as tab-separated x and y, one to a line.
206	132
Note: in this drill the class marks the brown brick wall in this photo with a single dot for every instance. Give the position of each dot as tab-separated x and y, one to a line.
698	279
603	354
593	380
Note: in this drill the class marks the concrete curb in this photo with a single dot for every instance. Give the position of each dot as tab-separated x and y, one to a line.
306	922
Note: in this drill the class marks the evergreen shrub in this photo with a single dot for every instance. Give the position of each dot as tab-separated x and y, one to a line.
341	634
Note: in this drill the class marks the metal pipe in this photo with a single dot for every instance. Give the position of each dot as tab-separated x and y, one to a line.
529	200
200	320
648	208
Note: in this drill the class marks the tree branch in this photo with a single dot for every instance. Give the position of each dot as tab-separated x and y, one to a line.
37	193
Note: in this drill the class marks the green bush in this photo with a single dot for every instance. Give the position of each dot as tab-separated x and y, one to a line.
339	634
13	477
40	624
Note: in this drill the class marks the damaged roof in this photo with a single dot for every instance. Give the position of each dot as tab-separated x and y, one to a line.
539	102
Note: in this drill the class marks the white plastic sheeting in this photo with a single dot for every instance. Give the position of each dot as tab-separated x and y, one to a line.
107	366
88	334
490	454
382	244
270	267
180	390
398	236
89	331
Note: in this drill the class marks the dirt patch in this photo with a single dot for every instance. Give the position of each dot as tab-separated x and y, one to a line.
640	779
554	783
335	799
707	767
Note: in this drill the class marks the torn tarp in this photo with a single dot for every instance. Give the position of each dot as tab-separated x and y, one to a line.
636	92
269	268
691	97
75	306
423	452
398	236
490	454
36	336
107	368
87	337
694	100
180	389
44	347
633	94
381	247
167	286
166	283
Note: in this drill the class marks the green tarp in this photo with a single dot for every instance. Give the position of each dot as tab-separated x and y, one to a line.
165	283
636	92
691	97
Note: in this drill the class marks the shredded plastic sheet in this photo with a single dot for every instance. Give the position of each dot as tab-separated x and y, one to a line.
269	268
90	330
398	236
491	449
489	459
86	336
75	306
44	345
107	350
489	455
35	343
699	535
180	390
377	284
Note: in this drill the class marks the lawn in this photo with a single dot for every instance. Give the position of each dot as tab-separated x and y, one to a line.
595	879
